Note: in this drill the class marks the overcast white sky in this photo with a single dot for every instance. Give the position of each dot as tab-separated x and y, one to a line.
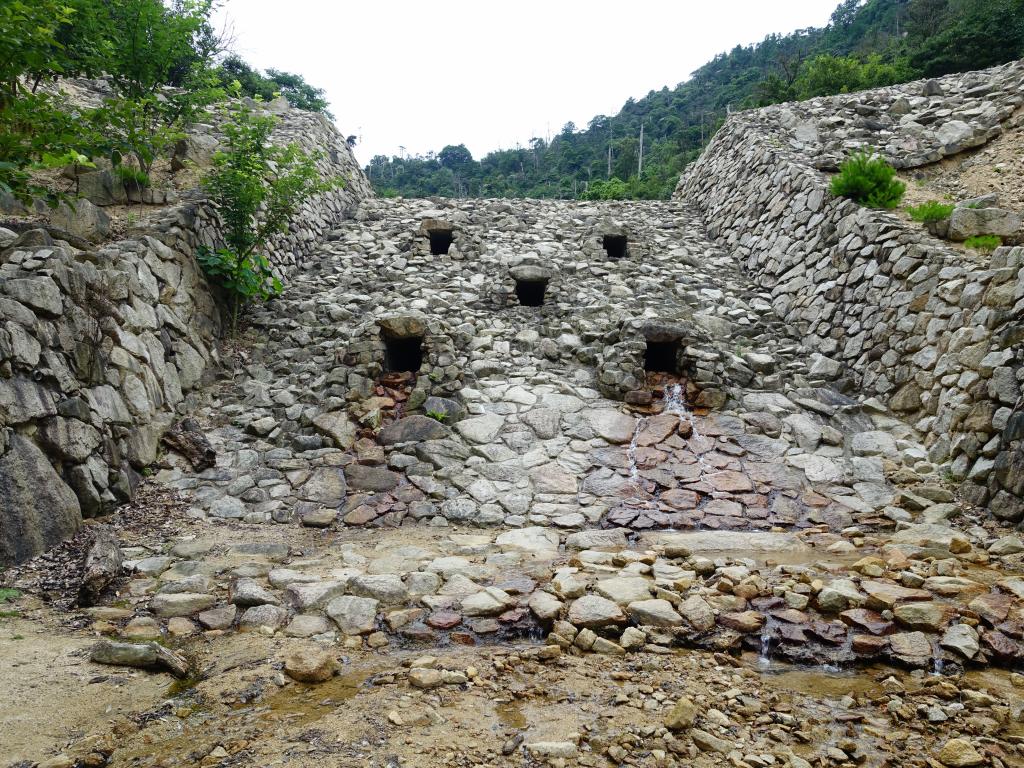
488	74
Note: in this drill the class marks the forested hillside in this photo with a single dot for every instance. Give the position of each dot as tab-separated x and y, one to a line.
866	44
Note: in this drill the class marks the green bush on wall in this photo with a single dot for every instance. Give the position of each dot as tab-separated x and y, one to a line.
869	180
933	210
983	243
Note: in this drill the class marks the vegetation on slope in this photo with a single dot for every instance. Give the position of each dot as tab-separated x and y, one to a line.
866	44
160	60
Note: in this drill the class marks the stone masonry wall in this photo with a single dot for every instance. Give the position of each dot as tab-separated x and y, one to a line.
99	349
933	331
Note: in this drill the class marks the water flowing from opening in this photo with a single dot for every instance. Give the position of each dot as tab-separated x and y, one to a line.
675	402
634	472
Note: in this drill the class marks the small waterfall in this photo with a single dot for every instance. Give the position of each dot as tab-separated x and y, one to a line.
938	662
675	402
634	473
764	659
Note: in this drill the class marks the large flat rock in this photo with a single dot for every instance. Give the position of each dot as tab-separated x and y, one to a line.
725	541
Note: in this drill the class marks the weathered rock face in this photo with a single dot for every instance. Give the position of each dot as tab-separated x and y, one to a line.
911	320
37	510
967	222
100	349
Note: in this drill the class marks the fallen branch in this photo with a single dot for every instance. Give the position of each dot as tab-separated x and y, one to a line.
187	438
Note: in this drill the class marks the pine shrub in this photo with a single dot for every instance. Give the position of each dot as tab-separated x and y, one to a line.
869	180
984	243
933	210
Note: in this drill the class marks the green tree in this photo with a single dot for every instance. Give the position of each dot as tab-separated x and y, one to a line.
979	33
612	189
34	128
825	75
160	66
257	187
253	83
869	180
28	41
155	45
458	158
298	92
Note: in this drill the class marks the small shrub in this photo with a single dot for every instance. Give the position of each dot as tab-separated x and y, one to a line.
984	243
933	210
868	180
438	416
613	189
257	187
129	176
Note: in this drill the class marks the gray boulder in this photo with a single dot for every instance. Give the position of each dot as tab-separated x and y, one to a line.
37	509
967	222
196	150
412	429
82	219
101	188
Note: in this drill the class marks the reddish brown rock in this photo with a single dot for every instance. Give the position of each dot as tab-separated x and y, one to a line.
361	515
679	498
790	615
830	632
792	633
861	618
444	619
993	607
731	482
1001	646
649	458
746	622
869	645
657	429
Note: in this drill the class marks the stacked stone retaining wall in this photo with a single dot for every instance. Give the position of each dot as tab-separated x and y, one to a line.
934	331
101	348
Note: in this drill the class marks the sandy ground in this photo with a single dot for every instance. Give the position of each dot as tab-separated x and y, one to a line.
53	696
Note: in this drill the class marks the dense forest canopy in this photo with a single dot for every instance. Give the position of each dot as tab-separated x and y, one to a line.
866	44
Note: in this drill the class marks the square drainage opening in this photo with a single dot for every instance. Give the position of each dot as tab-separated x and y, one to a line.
662	356
531	292
440	241
405	354
615	246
